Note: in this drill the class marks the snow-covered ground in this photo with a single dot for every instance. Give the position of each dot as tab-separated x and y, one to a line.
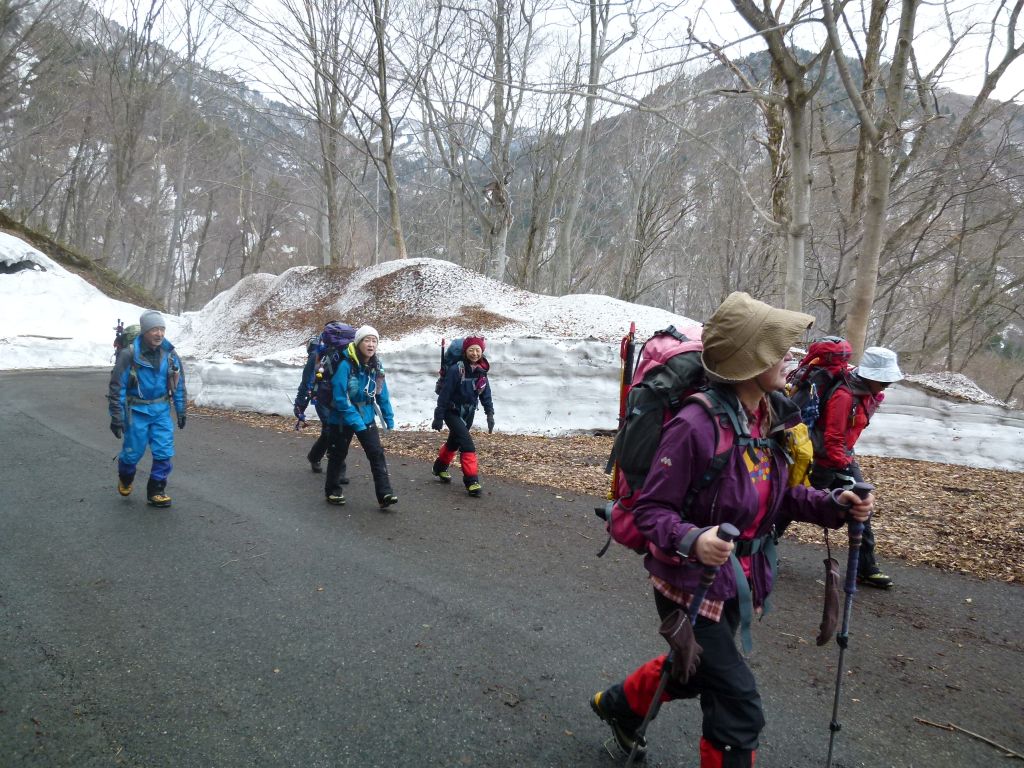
555	360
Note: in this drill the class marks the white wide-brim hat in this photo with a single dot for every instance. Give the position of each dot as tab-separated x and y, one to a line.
879	364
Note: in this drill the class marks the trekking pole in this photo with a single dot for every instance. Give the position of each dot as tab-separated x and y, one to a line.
726	532
856	530
299	422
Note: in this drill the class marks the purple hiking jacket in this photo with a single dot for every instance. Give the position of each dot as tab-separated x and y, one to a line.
684	454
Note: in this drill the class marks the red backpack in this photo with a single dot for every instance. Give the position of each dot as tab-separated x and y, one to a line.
822	370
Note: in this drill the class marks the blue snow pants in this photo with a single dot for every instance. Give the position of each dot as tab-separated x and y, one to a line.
155	430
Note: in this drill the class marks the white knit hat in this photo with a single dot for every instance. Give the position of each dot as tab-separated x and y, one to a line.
363	332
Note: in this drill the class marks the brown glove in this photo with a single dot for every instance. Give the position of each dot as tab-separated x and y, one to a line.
678	633
830	611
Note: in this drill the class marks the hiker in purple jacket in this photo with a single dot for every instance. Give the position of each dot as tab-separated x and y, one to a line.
746	347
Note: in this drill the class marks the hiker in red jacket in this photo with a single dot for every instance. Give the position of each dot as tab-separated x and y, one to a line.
746	348
845	415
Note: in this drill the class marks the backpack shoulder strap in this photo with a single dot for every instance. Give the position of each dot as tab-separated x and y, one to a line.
723	445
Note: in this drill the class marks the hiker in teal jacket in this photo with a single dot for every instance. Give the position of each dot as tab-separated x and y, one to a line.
360	396
146	378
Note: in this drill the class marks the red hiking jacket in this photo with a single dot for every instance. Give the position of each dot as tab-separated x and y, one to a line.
847	412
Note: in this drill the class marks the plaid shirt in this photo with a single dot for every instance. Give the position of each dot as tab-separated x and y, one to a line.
709	609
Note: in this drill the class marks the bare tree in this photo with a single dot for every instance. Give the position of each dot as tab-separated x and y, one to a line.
198	29
802	79
601	47
880	126
136	68
473	114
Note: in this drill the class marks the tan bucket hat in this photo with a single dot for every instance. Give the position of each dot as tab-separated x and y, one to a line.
745	337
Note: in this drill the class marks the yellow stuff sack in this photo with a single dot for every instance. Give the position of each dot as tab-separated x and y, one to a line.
800	448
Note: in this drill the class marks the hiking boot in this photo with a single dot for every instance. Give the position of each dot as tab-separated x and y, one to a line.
336	497
124	484
155	495
316	467
878	580
474	489
388	500
625	735
441	472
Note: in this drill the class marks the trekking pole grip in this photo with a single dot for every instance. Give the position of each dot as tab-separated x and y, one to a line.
726	532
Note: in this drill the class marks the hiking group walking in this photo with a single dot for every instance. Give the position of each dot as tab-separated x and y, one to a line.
711	462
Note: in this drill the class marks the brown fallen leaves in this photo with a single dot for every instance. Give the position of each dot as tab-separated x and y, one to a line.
950	517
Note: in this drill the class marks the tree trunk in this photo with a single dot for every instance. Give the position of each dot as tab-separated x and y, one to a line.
387	139
800	159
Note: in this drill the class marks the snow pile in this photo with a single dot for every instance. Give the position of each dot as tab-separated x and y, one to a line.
50	317
555	360
955	385
412	303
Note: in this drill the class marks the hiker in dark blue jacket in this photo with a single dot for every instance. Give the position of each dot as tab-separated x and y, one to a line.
146	378
465	387
360	398
306	387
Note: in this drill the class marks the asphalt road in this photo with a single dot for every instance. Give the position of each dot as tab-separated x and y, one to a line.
252	624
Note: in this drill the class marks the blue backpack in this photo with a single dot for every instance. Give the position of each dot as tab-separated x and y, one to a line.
449	357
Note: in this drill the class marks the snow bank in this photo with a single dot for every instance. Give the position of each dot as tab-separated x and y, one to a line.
555	360
52	318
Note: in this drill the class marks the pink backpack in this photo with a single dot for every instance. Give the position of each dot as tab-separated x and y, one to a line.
667	372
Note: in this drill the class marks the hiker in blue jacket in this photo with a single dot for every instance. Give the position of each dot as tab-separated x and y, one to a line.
360	397
465	387
147	376
306	387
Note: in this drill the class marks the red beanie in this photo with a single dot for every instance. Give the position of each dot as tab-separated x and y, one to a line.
471	341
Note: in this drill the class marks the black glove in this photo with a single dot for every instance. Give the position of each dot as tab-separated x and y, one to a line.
117	429
437	423
181	421
490	423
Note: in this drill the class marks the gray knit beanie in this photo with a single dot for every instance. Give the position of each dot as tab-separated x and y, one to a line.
151	319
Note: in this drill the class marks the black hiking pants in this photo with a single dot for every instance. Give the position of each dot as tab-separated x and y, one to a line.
732	714
459	438
319	449
337	453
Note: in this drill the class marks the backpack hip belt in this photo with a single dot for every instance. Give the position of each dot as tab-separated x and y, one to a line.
747	547
140	401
